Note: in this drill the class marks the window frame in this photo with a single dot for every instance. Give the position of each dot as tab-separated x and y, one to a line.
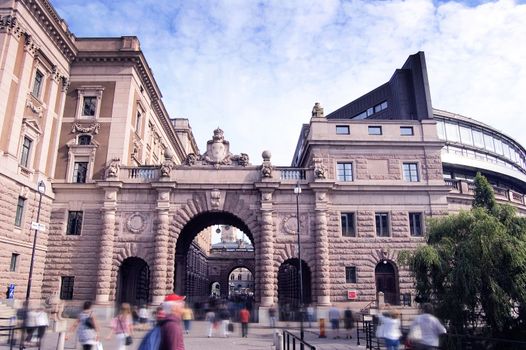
410	172
388	221
351	223
38	83
75	176
13	265
412	228
73	227
370	128
19	215
25	151
89	91
345	175
345	128
410	128
69	283
92	106
351	271
84	137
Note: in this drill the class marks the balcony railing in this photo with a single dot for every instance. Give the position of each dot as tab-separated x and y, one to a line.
140	174
501	193
292	173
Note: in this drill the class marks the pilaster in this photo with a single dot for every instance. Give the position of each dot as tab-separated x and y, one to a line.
323	280
159	286
265	256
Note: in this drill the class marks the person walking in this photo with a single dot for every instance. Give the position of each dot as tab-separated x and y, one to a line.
310	315
87	328
425	330
144	317
334	317
171	328
42	322
210	317
122	327
244	318
348	322
272	316
224	316
188	316
391	329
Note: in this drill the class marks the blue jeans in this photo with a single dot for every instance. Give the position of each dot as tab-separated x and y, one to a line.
392	344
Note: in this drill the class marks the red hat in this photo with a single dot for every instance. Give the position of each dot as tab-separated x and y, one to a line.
174	297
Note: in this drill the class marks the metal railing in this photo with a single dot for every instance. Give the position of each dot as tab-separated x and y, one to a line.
15	334
290	341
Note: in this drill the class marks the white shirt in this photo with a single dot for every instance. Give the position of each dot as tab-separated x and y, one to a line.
390	327
430	329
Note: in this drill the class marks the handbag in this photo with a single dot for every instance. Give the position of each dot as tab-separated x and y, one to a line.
99	346
89	322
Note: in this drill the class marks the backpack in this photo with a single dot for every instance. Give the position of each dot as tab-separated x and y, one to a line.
152	339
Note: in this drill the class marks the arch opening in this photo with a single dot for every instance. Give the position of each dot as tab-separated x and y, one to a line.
386	279
209	247
133	282
289	291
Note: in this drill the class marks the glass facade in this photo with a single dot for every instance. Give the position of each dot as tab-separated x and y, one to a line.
480	144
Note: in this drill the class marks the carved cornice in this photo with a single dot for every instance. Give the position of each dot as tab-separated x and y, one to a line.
56	28
9	24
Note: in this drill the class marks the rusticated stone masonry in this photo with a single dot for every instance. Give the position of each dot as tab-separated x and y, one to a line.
322	258
106	249
161	248
267	280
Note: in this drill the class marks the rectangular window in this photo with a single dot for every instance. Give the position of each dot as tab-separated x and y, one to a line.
382	224
350	274
406	131
74	223
342	130
375	130
37	84
344	171
441	129
19	211
80	171
362	115
26	151
465	135
415	224
488	142
380	107
411	172
498	146
138	122
66	287
478	139
452	132
370	111
89	106
14	262
347	220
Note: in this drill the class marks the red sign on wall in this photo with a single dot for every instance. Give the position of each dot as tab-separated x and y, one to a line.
352	294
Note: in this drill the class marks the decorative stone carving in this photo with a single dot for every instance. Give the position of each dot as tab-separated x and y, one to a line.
266	197
91	129
317	111
266	167
289	224
30	45
217	153
65	84
39	110
136	223
55	307
113	168
168	164
215	199
320	171
24	191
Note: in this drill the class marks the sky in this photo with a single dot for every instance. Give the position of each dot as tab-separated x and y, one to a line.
256	68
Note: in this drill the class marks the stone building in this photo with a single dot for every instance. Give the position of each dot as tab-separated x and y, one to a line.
128	192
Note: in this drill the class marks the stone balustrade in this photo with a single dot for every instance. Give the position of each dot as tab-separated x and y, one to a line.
468	187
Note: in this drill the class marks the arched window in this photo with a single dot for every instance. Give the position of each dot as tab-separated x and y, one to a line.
84	140
239	277
232	277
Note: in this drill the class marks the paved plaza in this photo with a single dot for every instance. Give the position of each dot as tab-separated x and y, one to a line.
259	338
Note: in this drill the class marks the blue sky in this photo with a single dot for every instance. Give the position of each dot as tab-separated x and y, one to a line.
255	68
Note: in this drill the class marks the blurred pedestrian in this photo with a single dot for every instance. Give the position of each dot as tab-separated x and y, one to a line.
224	316
348	322
310	315
391	329
31	326
171	328
122	327
42	322
87	328
272	316
188	316
244	318
210	317
426	329
144	317
334	317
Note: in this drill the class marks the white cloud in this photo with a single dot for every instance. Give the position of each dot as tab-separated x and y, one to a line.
256	68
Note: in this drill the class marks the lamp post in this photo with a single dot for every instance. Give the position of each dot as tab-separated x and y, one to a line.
297	191
41	190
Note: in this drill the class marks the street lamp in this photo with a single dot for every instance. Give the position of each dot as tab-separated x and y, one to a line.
41	190
297	191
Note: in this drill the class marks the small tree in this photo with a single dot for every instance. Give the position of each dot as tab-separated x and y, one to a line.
473	268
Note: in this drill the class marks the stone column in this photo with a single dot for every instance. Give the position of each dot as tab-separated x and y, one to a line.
106	246
266	259
322	251
159	287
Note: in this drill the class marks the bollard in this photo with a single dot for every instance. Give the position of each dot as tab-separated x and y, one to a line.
322	328
279	344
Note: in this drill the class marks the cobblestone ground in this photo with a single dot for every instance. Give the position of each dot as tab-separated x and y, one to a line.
259	337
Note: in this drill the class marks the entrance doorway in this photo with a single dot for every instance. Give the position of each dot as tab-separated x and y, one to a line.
133	282
289	291
386	282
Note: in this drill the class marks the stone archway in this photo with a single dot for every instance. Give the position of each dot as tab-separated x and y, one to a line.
184	281
133	282
288	288
386	278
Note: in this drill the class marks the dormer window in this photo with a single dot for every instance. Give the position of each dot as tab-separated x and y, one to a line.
84	140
